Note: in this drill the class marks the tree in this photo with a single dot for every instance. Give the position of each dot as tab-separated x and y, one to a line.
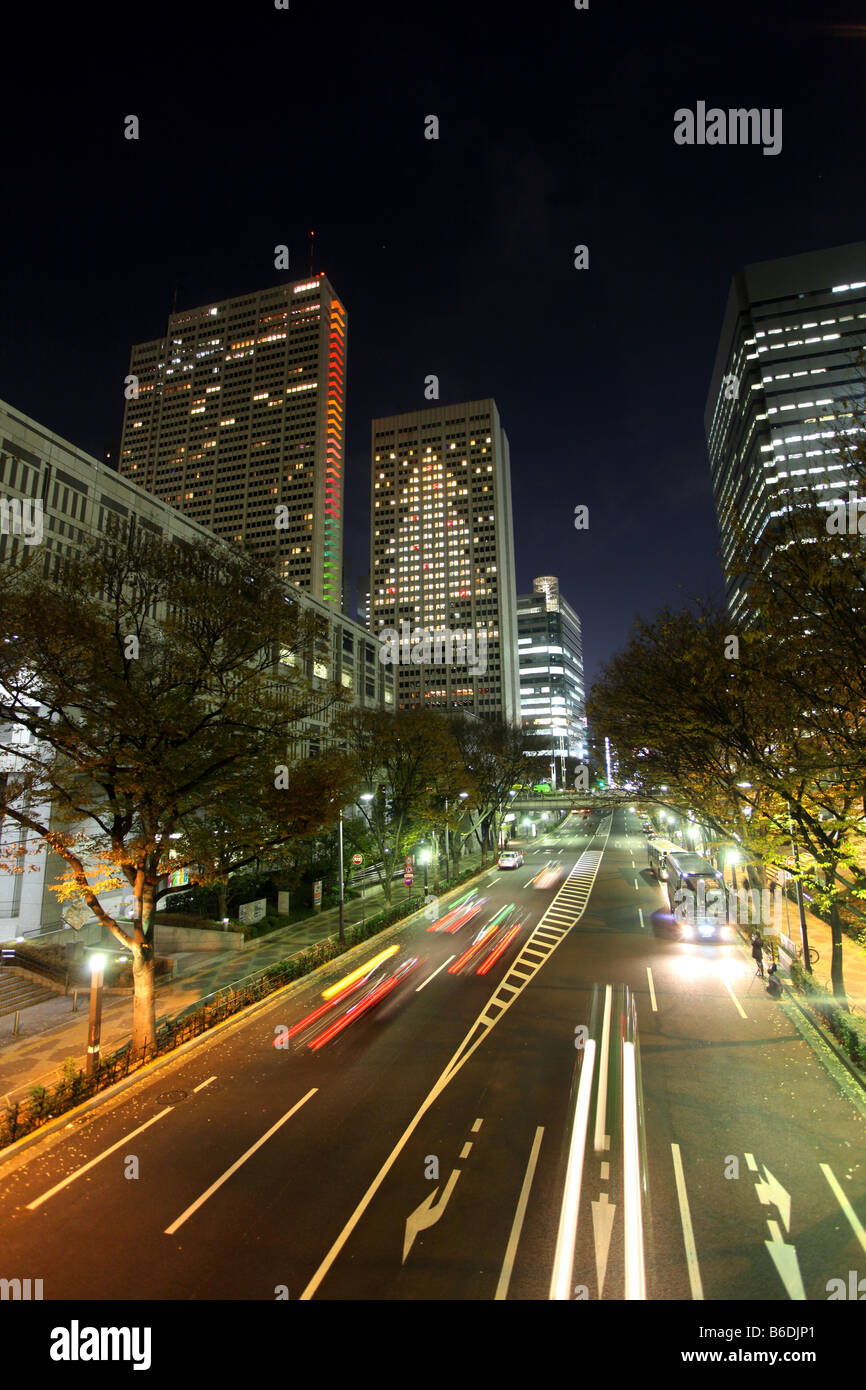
146	676
400	759
497	756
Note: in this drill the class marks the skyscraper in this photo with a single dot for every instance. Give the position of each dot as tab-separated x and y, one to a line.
552	701
442	558
236	418
776	421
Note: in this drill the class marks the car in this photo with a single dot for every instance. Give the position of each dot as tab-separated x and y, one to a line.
510	859
549	876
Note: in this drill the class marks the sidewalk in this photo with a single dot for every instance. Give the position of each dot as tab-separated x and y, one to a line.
821	940
50	1032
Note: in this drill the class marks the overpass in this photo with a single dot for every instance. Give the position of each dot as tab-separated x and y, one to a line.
573	801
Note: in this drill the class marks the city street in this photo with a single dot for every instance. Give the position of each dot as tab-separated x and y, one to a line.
422	1151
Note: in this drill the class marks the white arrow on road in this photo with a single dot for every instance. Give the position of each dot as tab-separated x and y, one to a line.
602	1224
772	1193
428	1214
785	1259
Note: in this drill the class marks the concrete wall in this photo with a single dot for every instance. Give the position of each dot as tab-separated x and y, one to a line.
168	938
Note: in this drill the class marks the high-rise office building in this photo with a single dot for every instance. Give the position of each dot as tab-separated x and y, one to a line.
552	699
237	419
442	558
776	421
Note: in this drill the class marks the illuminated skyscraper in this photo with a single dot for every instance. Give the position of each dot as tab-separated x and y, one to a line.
442	558
552	704
778	416
239	423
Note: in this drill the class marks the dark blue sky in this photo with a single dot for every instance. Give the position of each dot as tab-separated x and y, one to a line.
452	257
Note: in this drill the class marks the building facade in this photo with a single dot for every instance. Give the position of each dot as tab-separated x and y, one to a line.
552	696
237	419
442	587
56	497
778	417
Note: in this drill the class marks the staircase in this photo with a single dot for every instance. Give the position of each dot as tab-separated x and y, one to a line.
18	992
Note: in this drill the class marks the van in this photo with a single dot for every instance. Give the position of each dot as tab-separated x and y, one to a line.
657	852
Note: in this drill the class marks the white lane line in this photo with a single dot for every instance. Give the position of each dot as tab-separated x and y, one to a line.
202	1084
600	1139
642	923
649	975
436	972
199	1201
853	1219
563	1260
517	1223
635	885
695	1284
31	1206
635	1269
737	1003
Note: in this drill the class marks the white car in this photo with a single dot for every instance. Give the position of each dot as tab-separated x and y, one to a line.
510	859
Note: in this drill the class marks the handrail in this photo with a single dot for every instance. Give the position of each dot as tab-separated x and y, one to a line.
12	955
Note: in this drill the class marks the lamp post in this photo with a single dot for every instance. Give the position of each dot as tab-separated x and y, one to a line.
424	858
97	967
340	845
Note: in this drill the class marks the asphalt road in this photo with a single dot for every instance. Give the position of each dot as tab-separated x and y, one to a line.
423	1151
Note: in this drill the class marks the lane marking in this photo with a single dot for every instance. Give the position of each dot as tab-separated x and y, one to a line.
517	1224
737	1003
600	1139
436	972
566	1237
31	1206
649	975
695	1284
635	1268
853	1219
202	1084
464	1152
199	1201
636	885
750	1163
477	1126
642	923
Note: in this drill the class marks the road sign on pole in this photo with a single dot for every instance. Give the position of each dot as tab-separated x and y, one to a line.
357	859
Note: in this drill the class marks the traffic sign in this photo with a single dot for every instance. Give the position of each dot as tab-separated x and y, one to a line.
357	858
407	879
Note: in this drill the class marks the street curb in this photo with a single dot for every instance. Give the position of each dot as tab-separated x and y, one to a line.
821	1031
68	1118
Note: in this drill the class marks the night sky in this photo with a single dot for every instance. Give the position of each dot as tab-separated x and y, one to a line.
452	257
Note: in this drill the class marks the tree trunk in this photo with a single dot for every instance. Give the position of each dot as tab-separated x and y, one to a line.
223	900
836	969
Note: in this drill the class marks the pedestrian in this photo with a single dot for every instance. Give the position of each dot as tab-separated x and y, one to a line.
758	951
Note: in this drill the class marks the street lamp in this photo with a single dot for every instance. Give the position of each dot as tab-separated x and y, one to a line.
340	844
97	967
424	858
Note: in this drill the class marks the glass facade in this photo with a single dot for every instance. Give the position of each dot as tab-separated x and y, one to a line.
778	419
552	697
